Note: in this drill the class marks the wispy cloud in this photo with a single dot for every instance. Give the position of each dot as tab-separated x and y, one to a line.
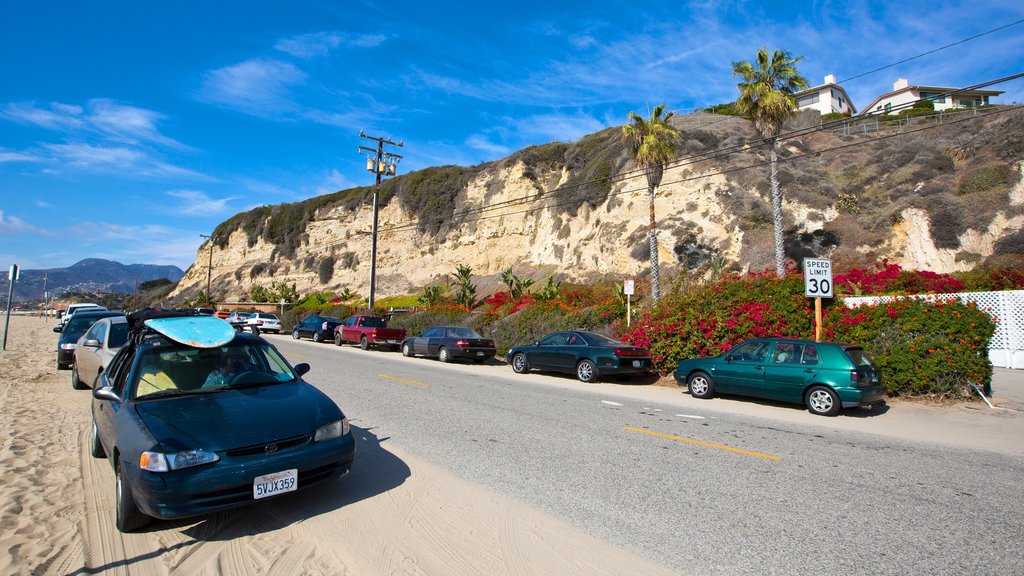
107	118
150	243
308	46
333	182
6	156
195	202
128	161
482	143
258	87
11	225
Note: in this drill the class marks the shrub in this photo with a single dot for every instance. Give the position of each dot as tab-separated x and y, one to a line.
889	278
434	316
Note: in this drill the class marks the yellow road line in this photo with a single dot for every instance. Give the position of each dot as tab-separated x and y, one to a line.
404	380
708	444
295	356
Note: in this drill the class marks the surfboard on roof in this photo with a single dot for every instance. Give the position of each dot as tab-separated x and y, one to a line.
197	331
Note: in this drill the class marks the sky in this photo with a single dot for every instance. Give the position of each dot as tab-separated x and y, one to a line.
128	129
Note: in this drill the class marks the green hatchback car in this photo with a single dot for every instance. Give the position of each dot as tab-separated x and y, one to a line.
824	376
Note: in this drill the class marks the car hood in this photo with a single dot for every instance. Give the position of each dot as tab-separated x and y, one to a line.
229	419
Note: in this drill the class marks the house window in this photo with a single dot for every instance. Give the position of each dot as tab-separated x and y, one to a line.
888	107
936	97
840	103
807	100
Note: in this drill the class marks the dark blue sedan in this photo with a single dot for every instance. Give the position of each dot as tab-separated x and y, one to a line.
191	430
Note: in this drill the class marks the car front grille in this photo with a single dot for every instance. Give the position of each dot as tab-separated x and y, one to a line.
263	448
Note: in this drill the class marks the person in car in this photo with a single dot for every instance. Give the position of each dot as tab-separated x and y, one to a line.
229	365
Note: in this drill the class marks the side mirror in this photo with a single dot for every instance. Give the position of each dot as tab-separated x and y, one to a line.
57	329
105	393
729	358
301	369
91	343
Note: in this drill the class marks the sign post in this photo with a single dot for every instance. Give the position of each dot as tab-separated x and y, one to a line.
13	275
627	288
817	285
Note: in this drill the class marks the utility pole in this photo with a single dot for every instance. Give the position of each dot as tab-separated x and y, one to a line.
135	294
380	163
45	295
13	275
209	266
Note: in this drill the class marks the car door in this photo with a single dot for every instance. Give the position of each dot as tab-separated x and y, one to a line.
568	355
88	357
793	366
421	343
742	371
546	352
105	412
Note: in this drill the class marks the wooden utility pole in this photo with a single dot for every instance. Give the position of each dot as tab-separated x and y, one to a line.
209	266
383	163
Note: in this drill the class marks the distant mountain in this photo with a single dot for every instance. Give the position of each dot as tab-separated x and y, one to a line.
90	275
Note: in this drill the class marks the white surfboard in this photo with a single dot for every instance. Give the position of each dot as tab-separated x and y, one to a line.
197	331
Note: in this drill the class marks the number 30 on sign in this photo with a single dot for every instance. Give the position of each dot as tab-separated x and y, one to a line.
817	278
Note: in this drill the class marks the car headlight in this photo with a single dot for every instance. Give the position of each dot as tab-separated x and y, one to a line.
332	430
68	346
161	462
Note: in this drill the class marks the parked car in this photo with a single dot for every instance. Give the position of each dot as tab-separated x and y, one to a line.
73	330
238	319
368	331
95	349
223	313
206	311
180	446
824	376
319	328
72	308
263	322
587	354
449	342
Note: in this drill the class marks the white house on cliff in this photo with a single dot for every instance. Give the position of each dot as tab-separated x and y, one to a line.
827	98
903	95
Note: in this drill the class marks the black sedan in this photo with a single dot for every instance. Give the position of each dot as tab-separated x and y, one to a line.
190	431
586	354
449	342
318	328
72	331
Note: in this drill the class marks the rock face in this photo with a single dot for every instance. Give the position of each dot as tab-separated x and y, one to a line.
943	197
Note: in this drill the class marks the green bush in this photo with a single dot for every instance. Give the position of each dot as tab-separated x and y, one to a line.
436	316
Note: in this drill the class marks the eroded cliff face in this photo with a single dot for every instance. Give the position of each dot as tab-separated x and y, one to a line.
508	217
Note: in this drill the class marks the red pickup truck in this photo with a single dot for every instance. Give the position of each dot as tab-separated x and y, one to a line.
368	331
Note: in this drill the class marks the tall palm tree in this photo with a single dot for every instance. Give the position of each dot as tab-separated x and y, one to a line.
766	95
653	144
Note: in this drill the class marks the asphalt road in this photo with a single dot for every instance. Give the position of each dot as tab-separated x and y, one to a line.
698	491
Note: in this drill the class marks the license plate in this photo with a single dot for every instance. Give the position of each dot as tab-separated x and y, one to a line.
276	483
479	353
392	341
638	363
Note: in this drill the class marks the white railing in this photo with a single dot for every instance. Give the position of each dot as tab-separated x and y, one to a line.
1006	350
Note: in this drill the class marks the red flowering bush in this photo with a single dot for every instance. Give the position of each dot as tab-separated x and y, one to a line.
889	278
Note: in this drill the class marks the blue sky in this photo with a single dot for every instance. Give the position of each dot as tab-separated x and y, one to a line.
127	129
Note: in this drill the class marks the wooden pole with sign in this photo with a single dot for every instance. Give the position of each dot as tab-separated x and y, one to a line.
817	285
817	319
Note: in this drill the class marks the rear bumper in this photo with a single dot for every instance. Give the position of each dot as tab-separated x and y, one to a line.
854	397
473	353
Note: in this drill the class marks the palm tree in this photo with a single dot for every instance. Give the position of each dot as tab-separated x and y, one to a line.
766	95
653	144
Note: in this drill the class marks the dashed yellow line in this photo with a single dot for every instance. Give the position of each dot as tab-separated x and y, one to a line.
295	356
708	444
423	384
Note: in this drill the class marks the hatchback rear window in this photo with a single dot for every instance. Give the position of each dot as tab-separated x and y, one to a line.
859	357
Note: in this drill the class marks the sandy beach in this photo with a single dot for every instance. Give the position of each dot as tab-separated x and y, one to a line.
393	515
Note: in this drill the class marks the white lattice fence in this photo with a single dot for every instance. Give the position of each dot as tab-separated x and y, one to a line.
1006	349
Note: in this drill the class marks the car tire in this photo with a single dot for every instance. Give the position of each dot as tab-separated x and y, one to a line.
586	371
701	385
406	350
444	355
823	401
519	363
76	383
364	343
95	446
128	517
337	339
295	334
318	336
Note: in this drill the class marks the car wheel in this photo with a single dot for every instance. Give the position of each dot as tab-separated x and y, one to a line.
76	383
337	339
318	336
295	334
364	343
701	385
95	446
128	517
586	371
519	364
823	401
444	355
406	350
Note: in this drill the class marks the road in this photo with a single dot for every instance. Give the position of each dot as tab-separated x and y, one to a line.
685	486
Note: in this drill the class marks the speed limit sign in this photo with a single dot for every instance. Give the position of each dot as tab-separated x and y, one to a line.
817	278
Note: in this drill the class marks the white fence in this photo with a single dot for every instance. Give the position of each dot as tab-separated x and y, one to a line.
1006	350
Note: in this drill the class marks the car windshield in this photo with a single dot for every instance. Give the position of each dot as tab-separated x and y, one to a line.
267	316
859	357
460	332
79	324
178	370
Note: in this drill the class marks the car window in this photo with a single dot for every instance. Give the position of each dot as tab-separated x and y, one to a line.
371	322
599	339
810	355
461	332
99	331
119	368
750	352
859	357
432	333
575	340
555	339
168	371
787	353
92	332
118	335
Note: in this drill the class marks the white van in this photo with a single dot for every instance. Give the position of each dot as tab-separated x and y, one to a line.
72	308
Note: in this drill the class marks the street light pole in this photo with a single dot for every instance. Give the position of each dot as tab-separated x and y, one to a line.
381	163
209	266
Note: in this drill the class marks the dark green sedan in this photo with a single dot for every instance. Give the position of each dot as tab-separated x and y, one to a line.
586	354
824	376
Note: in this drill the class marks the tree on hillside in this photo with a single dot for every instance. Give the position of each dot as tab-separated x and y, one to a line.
653	145
766	95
